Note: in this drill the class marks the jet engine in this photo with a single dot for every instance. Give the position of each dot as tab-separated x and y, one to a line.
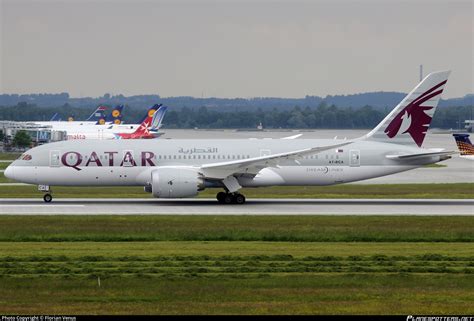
173	182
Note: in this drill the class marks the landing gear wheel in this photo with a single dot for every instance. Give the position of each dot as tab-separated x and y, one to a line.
239	199
47	198
228	199
220	197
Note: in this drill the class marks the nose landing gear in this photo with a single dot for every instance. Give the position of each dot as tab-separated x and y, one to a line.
230	198
47	198
45	189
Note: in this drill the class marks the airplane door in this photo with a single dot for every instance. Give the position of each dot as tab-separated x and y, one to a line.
54	158
265	152
354	158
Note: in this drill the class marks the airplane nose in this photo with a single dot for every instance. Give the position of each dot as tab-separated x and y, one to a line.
9	172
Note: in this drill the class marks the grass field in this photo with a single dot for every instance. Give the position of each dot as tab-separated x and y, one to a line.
9	156
4	165
455	190
238	264
332	293
106	228
236	277
435	165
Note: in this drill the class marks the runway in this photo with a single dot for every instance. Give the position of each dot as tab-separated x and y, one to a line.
252	207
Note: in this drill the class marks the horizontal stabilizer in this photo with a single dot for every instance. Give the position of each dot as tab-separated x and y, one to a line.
418	156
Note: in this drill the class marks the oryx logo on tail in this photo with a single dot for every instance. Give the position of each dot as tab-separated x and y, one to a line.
409	121
413	119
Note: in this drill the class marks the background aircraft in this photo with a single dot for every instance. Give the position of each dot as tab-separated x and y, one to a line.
115	117
465	146
125	131
182	168
91	120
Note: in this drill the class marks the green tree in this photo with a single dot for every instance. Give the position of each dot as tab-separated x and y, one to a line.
1	135
297	119
22	139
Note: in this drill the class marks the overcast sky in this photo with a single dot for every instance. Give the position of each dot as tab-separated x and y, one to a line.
233	49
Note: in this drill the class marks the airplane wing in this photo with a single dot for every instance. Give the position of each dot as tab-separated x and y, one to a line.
420	155
251	166
293	137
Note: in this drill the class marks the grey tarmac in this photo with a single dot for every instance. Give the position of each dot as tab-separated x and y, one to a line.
252	207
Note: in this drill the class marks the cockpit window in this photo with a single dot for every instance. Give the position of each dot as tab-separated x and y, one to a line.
25	157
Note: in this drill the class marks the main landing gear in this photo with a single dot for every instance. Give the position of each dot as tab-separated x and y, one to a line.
230	198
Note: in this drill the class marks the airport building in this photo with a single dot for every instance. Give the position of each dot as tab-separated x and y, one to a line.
39	134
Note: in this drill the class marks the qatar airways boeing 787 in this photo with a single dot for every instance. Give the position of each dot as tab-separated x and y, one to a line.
175	168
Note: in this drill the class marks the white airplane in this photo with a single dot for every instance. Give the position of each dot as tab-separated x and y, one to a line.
146	128
466	149
176	168
93	119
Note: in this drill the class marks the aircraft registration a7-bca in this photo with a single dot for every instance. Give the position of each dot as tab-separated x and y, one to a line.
176	168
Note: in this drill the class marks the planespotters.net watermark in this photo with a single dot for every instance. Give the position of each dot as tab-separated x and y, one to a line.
441	318
38	318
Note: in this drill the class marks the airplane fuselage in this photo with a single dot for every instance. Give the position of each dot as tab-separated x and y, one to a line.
126	162
93	131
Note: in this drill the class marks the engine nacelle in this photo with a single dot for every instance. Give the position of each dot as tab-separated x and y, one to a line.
172	182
